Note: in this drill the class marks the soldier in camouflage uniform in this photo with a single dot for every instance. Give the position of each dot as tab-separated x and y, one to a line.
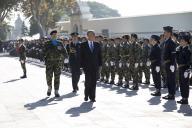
126	39
134	61
106	64
104	54
22	57
54	52
112	60
140	75
121	62
144	58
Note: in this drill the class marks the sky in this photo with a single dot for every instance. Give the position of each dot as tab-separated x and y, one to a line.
147	7
140	7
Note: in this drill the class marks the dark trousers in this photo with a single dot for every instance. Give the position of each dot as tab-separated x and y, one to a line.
156	78
170	80
90	84
23	68
75	77
184	83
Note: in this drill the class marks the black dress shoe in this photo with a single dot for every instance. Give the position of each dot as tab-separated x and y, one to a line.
126	86
119	84
86	99
182	101
57	95
134	87
74	91
169	97
93	100
111	82
157	93
24	76
106	81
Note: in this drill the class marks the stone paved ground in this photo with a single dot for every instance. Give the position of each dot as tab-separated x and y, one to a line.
23	104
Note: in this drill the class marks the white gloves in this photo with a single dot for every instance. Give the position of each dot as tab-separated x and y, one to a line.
157	69
112	63
136	65
66	61
127	64
22	61
172	68
106	64
141	64
120	65
185	74
148	63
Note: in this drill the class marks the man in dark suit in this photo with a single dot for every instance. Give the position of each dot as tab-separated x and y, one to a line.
73	50
91	62
170	63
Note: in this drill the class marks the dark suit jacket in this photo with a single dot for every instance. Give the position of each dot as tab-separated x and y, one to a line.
155	56
169	52
90	61
74	55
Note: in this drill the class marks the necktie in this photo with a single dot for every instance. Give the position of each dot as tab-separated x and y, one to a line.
91	45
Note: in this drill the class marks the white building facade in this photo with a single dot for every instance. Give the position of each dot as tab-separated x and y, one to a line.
142	25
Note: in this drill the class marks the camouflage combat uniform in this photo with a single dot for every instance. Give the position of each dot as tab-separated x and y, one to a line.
54	58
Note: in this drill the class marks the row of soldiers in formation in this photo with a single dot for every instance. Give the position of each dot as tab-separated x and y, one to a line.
129	59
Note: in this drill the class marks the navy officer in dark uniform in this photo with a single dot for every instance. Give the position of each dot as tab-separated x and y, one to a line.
183	55
155	58
170	63
73	50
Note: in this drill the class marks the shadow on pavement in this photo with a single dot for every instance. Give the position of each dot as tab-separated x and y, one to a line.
170	106
85	107
185	110
41	103
69	95
154	100
13	80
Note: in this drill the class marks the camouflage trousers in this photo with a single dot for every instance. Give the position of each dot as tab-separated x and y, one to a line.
112	72
121	73
134	73
105	72
146	70
53	67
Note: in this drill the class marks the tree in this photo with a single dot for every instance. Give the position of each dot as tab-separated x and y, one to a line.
34	29
5	8
4	29
45	12
102	11
24	30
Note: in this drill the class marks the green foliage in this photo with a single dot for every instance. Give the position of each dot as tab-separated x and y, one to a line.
102	11
4	29
5	8
34	29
